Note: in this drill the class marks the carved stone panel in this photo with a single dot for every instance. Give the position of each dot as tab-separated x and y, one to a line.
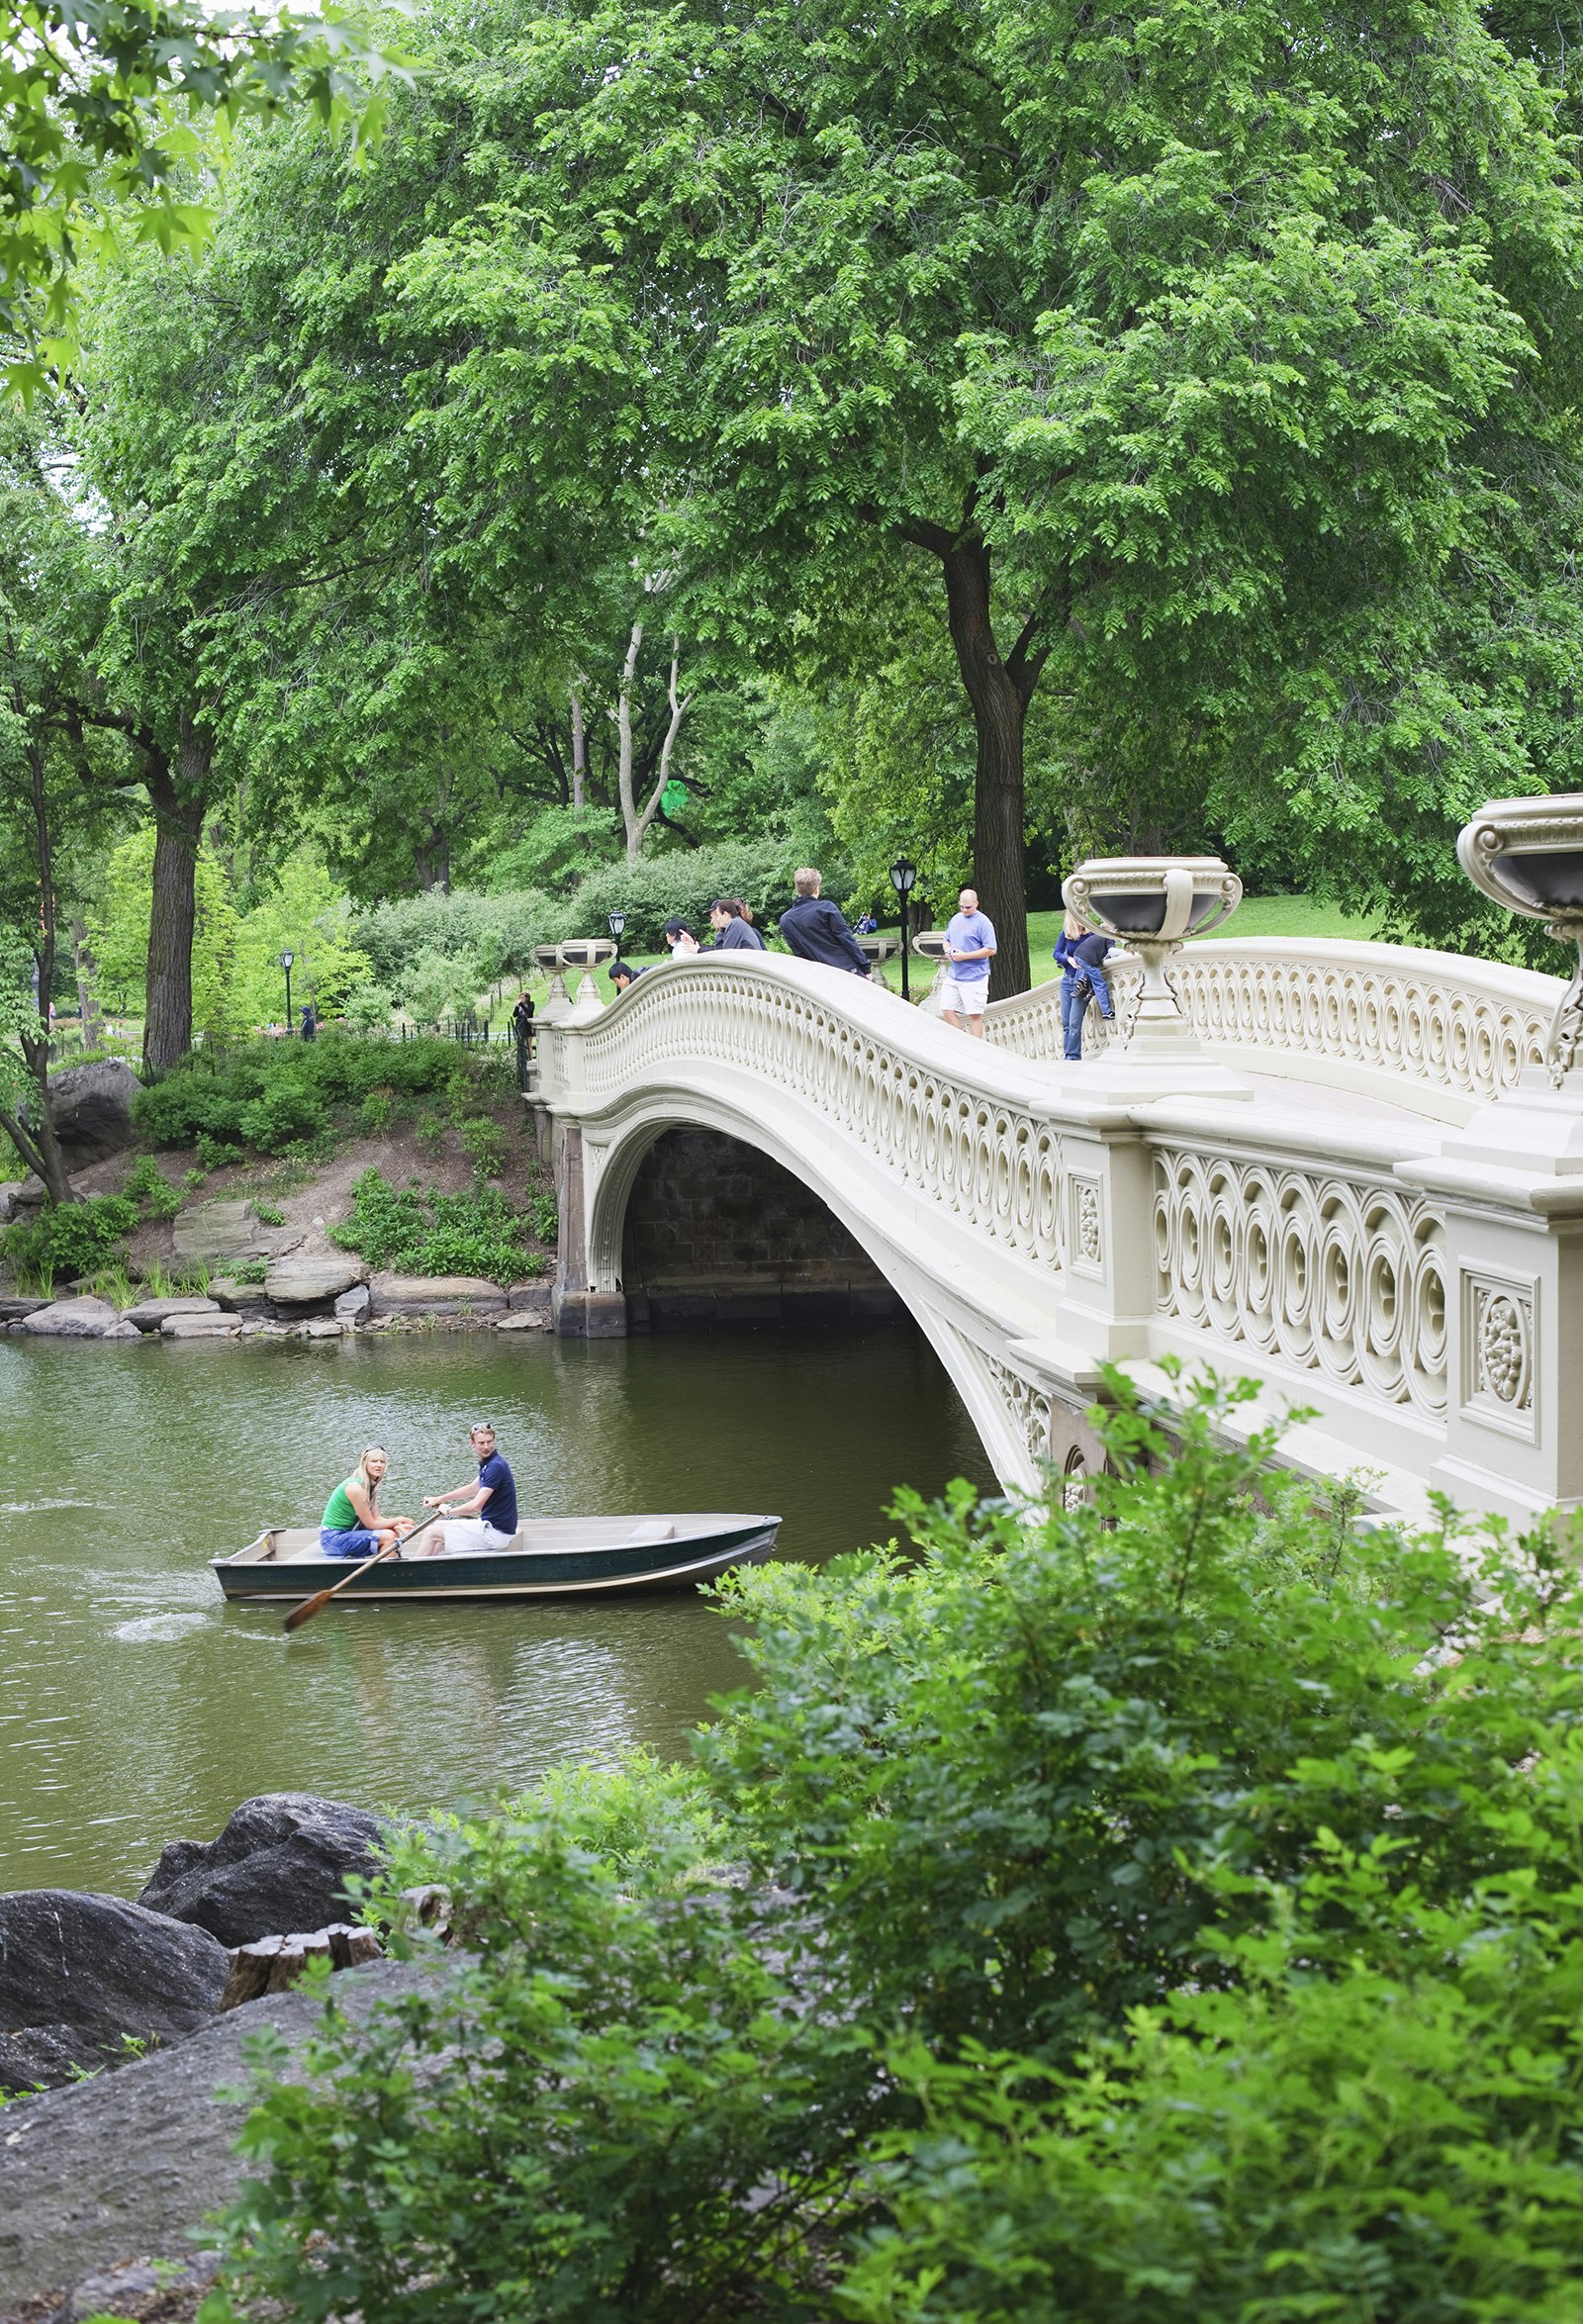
1500	1352
1087	1233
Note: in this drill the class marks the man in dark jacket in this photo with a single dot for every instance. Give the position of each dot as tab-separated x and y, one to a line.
816	930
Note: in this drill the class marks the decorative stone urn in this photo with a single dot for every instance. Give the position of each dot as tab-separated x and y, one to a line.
558	1006
1152	904
587	953
1527	855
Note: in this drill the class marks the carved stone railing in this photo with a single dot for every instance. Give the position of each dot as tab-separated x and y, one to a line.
980	1140
1415	1287
1337	1272
1428	1030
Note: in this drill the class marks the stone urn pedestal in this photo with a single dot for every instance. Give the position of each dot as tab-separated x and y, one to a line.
1152	905
930	945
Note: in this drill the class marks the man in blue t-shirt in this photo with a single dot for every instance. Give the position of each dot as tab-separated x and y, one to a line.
481	1516
970	947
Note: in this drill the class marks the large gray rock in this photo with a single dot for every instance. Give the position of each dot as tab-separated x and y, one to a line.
86	1970
131	2163
245	1299
149	1313
313	1282
279	1864
14	1308
201	1326
72	1319
211	1231
421	1295
90	1107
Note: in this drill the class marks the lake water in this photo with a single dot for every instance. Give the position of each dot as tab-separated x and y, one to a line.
134	1708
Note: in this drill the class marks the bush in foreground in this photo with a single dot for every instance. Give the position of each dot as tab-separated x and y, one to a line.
1169	1909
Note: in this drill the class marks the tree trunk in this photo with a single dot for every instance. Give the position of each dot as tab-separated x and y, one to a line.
178	802
87	969
578	751
42	1148
1000	696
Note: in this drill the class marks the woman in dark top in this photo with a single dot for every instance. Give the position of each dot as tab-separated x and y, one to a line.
1081	953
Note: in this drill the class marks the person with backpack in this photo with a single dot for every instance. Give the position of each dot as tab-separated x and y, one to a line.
1081	953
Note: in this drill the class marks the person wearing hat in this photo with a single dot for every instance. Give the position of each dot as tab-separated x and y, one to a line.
481	1516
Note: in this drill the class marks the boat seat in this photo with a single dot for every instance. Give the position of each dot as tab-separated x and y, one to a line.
652	1529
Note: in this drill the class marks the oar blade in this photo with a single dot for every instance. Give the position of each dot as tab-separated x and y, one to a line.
307	1610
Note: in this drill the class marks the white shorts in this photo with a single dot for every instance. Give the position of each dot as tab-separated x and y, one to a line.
474	1534
964	999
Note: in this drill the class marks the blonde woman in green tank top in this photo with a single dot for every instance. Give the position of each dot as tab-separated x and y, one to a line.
351	1525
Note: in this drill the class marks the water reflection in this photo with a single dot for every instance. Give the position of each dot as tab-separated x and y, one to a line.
134	1708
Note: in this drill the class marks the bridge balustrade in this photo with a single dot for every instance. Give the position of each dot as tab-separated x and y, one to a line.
1344	1215
1430	1030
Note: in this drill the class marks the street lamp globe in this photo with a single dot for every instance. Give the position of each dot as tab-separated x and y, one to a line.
618	923
904	879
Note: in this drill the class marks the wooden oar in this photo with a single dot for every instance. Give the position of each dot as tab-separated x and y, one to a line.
311	1606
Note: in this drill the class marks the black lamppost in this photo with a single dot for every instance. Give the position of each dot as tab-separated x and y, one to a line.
618	923
286	960
904	879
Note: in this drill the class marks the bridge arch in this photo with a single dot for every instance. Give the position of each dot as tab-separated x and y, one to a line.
1012	1423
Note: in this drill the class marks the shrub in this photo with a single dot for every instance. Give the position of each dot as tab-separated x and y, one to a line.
71	1239
269	1214
484	1142
374	1114
279	1097
1160	1911
153	1192
250	1270
214	1153
434	1233
547	1217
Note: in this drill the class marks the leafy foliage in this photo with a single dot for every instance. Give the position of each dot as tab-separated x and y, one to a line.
152	1190
435	1234
69	1239
92	99
1164	1909
275	1094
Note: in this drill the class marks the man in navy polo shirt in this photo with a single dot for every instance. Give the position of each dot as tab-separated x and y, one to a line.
481	1516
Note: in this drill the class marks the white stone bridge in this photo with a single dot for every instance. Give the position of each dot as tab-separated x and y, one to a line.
1347	1196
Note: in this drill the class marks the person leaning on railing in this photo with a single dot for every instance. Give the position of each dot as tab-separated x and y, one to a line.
816	930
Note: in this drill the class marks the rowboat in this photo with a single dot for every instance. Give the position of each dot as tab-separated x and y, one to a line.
552	1558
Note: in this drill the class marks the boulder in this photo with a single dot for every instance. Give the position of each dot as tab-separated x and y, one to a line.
211	1230
36	2057
324	1326
313	1282
124	1330
86	1970
15	1309
90	1107
217	1326
149	1313
521	1321
248	1299
278	1864
532	1299
436	1295
353	1304
72	1319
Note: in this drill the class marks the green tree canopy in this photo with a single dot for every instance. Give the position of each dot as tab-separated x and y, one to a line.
1212	358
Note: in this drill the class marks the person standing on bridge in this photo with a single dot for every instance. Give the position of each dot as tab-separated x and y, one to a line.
970	947
816	930
733	930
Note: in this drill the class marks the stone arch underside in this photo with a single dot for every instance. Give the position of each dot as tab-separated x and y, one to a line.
1014	1419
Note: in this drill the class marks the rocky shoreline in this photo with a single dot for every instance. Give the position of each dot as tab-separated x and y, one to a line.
119	2019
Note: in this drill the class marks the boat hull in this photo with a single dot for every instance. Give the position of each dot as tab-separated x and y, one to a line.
613	1569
